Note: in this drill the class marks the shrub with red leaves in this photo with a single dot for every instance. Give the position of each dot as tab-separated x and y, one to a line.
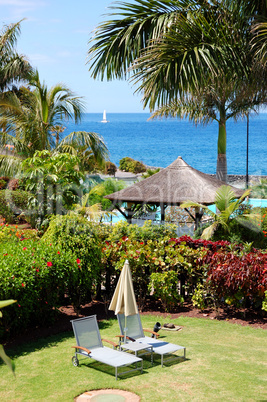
238	279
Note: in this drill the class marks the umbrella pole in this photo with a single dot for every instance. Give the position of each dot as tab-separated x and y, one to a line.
125	329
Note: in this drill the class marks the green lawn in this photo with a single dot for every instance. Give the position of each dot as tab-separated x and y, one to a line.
225	362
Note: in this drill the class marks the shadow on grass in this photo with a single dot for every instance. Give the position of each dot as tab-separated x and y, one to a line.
104	368
47	342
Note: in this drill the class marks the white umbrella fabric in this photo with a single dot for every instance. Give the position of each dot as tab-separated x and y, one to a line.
123	300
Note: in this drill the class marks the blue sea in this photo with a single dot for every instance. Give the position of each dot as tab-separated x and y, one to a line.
159	142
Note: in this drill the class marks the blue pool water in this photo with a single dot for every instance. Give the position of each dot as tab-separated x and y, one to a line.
252	201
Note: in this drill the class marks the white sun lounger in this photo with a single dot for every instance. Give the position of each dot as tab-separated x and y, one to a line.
89	344
135	332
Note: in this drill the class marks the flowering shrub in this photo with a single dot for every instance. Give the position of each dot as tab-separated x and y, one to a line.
74	233
10	233
153	256
37	275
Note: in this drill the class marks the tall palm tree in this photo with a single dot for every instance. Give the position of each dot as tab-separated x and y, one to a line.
189	58
13	67
33	118
32	113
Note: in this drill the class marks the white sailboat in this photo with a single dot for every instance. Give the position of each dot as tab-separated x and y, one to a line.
104	118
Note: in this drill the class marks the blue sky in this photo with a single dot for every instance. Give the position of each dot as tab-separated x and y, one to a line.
54	37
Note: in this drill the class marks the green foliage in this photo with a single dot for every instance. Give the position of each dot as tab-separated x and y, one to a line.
75	234
13	234
165	286
130	165
264	302
3	182
259	190
54	181
147	232
110	168
150	172
37	275
198	297
109	186
5	358
14	203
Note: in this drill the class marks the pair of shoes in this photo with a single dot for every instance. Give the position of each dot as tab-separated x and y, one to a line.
170	326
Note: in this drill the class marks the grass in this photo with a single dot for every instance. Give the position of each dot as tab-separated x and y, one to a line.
225	362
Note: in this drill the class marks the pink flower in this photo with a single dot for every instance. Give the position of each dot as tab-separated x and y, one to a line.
78	261
49	264
19	305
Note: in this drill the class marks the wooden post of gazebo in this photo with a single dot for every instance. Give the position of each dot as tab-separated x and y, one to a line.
162	212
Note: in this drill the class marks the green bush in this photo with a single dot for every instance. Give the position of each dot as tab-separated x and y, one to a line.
130	165
110	168
13	203
37	275
165	286
78	235
147	232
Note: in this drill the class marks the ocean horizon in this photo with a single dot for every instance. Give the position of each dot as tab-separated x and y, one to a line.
158	143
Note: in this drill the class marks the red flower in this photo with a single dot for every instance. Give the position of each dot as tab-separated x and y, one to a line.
49	264
58	252
22	285
24	248
37	270
78	261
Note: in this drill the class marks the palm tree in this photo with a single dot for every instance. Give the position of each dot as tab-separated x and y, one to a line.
88	146
226	205
189	58
32	114
33	120
13	67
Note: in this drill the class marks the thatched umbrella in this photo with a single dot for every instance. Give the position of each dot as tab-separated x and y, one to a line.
175	184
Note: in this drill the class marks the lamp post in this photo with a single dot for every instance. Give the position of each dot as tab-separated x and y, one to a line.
247	150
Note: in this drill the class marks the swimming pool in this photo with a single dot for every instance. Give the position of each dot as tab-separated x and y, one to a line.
255	202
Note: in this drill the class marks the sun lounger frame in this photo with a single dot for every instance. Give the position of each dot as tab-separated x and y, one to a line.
135	332
93	348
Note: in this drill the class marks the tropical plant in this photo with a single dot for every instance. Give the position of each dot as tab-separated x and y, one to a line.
89	147
97	194
5	358
53	180
190	58
150	172
226	204
259	190
33	118
13	66
94	212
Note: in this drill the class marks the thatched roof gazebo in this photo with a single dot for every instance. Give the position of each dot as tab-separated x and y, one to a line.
172	186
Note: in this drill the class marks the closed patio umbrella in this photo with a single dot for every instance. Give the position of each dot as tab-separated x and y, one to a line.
123	300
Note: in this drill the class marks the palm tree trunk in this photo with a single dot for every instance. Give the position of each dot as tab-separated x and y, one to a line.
221	172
